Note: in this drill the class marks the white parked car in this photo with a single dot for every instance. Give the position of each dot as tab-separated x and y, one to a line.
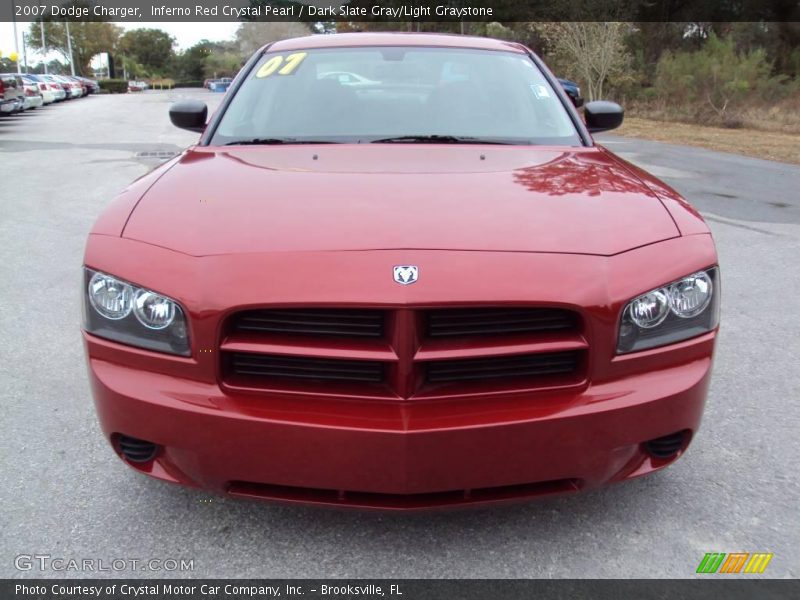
48	93
32	98
55	86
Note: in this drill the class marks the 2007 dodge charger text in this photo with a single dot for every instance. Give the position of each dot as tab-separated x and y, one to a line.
396	272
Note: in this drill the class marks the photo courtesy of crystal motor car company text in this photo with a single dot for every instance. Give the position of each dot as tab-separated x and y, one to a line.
474	302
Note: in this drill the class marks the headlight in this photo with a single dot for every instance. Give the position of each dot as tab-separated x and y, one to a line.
110	297
677	311
649	310
118	310
690	296
154	311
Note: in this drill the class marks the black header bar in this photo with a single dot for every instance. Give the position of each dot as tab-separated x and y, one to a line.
729	587
400	11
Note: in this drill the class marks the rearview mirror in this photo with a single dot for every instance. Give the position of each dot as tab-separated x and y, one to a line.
189	114
602	115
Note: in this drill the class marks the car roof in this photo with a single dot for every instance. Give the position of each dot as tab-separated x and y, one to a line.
345	40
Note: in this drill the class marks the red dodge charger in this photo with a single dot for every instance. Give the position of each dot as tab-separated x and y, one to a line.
397	272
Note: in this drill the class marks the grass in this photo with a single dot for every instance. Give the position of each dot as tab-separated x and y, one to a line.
770	145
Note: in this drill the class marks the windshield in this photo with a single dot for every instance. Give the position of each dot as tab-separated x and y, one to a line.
396	94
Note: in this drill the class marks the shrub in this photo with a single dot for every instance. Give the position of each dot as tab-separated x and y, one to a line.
189	84
114	86
717	82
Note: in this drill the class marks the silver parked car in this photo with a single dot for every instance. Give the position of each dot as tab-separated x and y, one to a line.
11	93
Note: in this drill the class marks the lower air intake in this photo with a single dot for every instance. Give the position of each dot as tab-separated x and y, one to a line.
136	451
667	446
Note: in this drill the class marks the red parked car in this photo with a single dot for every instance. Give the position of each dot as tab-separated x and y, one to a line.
419	292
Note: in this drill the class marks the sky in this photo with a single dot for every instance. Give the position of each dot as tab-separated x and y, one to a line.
185	34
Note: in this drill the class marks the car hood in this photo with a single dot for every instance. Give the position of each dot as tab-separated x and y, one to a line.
368	197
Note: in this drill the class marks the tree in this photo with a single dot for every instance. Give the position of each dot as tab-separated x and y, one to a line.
648	40
592	52
150	48
7	65
54	66
133	69
499	31
222	64
206	59
88	39
253	34
188	65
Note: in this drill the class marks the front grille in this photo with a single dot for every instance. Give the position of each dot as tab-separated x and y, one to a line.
502	367
303	368
494	321
322	322
407	352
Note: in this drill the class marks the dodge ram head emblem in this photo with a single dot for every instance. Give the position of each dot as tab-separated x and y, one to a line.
406	274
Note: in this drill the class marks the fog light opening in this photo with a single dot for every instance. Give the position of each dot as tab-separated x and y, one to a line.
135	450
668	446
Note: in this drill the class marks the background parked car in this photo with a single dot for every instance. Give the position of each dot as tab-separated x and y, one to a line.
33	97
56	80
84	89
573	91
11	93
48	94
220	85
56	86
73	88
92	87
28	91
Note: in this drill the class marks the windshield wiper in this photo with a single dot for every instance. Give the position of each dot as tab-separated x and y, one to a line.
403	139
276	142
436	139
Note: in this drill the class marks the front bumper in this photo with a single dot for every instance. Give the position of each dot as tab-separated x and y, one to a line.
413	457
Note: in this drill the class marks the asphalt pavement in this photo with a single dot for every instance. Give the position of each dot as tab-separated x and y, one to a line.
65	494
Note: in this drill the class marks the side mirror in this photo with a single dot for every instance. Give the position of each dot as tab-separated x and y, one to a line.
602	115
189	114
